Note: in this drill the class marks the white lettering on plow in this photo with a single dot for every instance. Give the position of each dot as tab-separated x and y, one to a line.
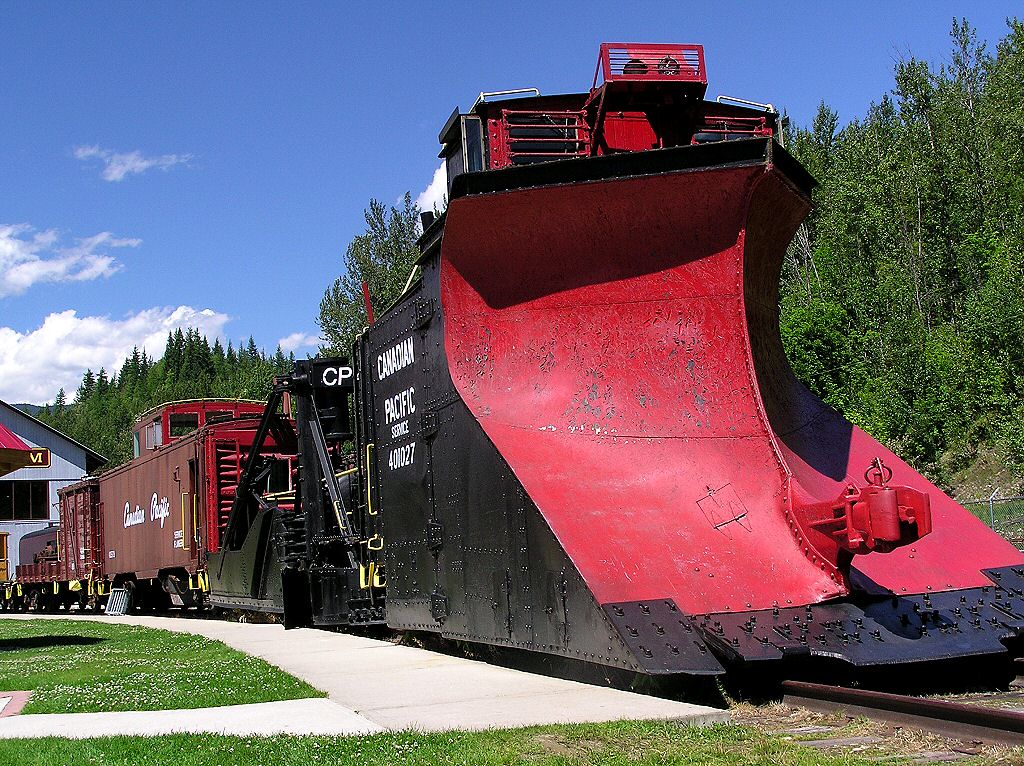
399	406
396	358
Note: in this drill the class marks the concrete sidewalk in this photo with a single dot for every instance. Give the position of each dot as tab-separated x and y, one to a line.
312	716
401	687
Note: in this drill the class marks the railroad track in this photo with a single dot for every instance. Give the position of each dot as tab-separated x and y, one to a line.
957	720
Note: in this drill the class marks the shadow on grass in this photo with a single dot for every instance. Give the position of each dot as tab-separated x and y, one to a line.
46	642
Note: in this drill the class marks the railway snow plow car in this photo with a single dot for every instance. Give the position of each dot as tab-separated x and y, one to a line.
577	432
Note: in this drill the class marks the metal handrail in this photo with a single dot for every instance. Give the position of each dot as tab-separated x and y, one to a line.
744	102
484	95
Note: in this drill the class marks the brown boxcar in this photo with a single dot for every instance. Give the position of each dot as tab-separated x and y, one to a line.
148	509
163	511
166	508
148	524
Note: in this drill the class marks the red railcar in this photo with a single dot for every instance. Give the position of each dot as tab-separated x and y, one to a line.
80	536
149	524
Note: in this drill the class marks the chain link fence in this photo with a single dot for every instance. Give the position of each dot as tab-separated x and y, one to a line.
1005	515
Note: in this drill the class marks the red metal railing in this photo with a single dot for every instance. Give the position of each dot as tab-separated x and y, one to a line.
230	459
522	136
229	462
651	62
723	127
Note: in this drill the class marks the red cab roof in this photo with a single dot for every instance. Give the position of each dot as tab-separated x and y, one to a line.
14	453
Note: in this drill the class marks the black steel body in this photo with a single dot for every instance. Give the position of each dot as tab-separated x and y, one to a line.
877	629
310	559
467	553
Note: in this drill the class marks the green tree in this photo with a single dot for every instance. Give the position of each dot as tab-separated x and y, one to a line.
383	256
903	296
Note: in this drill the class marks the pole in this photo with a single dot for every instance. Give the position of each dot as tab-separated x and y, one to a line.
366	299
991	512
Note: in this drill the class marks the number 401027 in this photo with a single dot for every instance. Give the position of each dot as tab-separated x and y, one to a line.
400	457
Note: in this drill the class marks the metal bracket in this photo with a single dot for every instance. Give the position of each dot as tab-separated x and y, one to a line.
331	480
439	605
663	638
424	311
435	535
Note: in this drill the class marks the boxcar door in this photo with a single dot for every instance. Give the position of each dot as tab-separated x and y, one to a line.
184	528
195	539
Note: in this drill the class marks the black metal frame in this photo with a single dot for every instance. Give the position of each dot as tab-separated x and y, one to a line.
310	563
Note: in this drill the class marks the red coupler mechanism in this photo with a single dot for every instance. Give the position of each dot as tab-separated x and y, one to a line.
877	518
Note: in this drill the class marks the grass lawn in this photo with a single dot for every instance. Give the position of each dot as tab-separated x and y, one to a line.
630	742
78	666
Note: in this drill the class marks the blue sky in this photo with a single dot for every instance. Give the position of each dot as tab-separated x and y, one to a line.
206	164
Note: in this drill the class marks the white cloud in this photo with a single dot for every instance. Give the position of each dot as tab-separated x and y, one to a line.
36	364
117	165
28	257
298	340
436	193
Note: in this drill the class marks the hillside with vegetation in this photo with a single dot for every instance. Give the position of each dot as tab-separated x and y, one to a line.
903	296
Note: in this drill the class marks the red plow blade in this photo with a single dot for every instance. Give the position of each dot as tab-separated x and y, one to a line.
618	341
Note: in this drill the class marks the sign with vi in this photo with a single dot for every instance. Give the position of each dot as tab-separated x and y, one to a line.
40	457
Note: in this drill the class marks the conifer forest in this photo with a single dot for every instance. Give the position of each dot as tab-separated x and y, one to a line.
100	414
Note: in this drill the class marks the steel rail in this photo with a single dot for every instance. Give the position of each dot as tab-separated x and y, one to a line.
951	719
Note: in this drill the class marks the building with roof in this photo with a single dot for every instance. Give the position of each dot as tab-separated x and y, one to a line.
28	495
